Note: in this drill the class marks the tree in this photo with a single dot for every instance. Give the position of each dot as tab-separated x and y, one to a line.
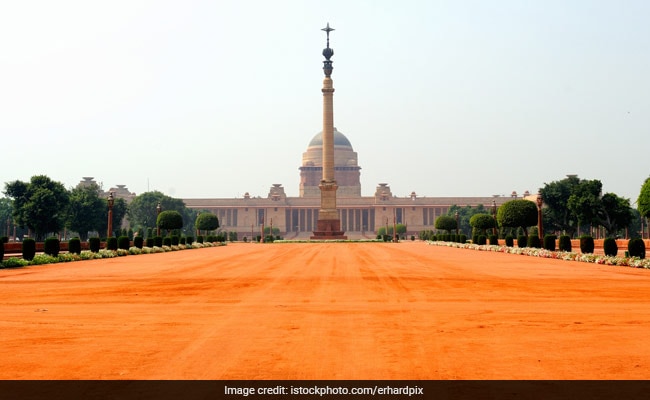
482	222
517	214
86	211
446	222
584	202
207	222
464	215
401	229
40	204
615	213
556	196
643	202
169	220
142	210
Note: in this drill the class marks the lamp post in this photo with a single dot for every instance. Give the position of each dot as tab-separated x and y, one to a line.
456	214
540	228
111	201
158	210
394	226
494	215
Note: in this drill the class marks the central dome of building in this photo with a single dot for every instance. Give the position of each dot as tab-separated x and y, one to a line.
346	167
339	140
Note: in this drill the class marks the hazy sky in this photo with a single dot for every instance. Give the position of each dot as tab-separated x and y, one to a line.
219	98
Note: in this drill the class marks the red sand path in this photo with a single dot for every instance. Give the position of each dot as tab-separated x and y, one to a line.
325	311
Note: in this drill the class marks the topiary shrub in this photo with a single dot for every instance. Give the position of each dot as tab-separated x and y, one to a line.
111	243
29	249
534	242
183	240
158	241
138	241
200	239
521	241
189	240
494	240
636	248
175	240
94	244
51	247
123	242
481	240
549	242
586	244
167	241
2	251
510	241
463	238
74	246
610	247
565	243
150	242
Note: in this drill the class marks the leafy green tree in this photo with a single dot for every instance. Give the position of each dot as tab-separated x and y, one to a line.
169	220
517	213
40	204
446	223
142	210
482	222
465	214
86	211
555	196
615	213
643	202
585	202
208	222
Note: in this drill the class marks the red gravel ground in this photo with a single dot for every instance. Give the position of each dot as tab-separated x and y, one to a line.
325	311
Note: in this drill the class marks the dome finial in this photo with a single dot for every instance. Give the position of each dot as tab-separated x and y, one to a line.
328	52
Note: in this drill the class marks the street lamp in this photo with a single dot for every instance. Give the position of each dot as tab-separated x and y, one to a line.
540	228
111	201
456	214
494	215
394	226
158	210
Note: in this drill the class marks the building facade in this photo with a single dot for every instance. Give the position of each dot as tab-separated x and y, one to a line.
360	216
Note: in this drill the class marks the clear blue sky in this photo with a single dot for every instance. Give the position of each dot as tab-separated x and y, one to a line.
219	98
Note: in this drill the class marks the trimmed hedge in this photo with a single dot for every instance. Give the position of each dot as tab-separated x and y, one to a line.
549	242
158	241
534	242
175	240
94	243
610	247
51	247
111	243
200	239
482	240
74	246
510	241
189	240
522	241
636	248
150	242
29	249
565	243
123	242
2	250
138	241
586	244
167	241
494	240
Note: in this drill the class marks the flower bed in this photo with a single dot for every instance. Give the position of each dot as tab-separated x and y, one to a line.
560	255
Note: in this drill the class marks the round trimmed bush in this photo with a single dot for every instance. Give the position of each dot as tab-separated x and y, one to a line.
123	242
138	242
189	240
111	243
29	249
183	240
549	242
158	241
510	241
610	247
200	239
636	248
167	241
74	246
494	240
521	241
586	244
481	240
150	242
565	243
175	240
534	242
51	247
94	244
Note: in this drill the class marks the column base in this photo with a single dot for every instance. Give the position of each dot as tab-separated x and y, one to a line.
328	229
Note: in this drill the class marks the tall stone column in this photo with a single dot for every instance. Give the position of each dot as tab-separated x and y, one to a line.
328	225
